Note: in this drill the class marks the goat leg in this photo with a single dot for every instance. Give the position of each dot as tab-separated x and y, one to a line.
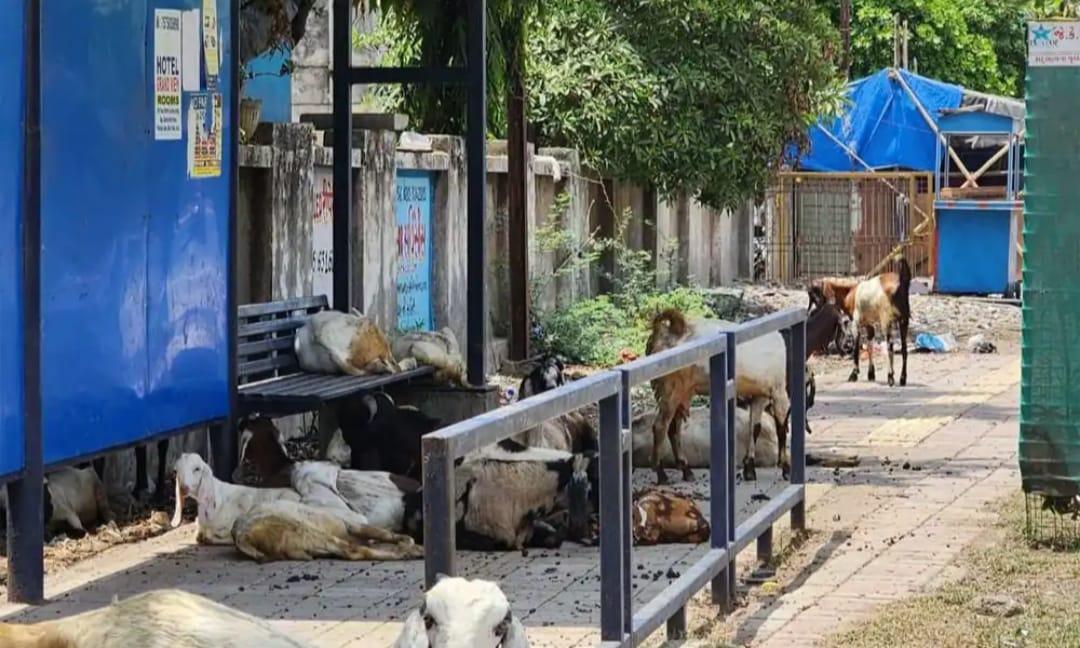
854	377
160	492
141	482
870	374
888	337
675	438
903	351
663	419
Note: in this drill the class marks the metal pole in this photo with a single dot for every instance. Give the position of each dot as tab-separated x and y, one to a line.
476	155
518	168
729	356
343	190
797	389
439	506
719	493
676	625
612	508
25	519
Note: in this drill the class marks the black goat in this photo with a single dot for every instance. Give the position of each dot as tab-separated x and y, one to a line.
548	374
374	425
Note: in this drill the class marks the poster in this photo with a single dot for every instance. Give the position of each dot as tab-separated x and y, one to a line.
167	107
210	42
204	135
413	209
191	50
322	235
1054	44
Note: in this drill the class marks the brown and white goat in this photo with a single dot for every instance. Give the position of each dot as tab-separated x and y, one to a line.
661	516
879	303
760	377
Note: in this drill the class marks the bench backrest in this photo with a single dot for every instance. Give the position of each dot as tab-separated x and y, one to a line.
265	334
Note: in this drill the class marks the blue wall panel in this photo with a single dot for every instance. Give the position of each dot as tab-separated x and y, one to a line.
270	86
973	251
11	152
413	209
134	252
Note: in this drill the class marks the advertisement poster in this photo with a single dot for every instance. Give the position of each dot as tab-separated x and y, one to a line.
204	136
413	211
322	235
168	124
192	50
1054	44
210	41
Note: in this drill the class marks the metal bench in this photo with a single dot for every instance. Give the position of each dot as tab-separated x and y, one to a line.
269	377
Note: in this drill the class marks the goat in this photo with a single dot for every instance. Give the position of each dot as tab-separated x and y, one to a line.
374	424
155	619
438	349
570	432
697	436
460	613
220	503
831	290
824	326
381	497
878	303
74	500
535	497
760	375
661	516
331	342
287	530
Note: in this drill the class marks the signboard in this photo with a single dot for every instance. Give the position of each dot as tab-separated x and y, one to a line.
167	121
413	211
204	135
322	235
210	41
1054	44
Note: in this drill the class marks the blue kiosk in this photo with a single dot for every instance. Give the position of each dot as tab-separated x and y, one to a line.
979	211
117	301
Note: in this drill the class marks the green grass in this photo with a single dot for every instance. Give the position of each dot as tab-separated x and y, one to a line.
1046	583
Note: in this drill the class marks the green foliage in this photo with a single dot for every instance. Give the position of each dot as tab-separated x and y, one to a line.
974	43
697	96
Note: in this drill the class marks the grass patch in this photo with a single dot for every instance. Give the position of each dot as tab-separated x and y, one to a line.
1045	583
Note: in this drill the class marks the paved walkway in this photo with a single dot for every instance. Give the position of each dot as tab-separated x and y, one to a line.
888	531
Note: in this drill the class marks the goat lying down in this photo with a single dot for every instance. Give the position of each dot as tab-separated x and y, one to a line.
382	498
285	530
156	619
74	500
760	377
534	497
332	342
696	439
438	349
661	516
460	613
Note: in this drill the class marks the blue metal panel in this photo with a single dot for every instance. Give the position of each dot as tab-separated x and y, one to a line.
413	209
973	251
270	86
134	253
976	122
11	165
188	253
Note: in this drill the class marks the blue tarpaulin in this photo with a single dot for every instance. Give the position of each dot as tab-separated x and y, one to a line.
882	125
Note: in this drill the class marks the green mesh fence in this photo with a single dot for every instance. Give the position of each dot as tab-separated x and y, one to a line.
1050	381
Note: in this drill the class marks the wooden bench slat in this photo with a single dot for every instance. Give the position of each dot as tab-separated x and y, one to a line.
270	326
286	306
266	365
247	349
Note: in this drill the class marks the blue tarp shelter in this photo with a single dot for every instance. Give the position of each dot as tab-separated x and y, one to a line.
883	125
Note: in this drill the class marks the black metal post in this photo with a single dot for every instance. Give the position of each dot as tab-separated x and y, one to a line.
25	521
231	451
719	495
343	191
729	356
797	389
612	510
440	544
626	411
676	625
765	546
476	154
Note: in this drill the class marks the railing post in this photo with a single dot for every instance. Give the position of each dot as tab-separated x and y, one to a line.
729	356
676	625
720	491
626	423
797	389
439	510
765	546
613	553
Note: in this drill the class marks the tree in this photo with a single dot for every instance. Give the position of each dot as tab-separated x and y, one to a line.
271	25
698	96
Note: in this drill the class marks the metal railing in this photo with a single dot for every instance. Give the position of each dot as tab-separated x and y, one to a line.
611	389
441	448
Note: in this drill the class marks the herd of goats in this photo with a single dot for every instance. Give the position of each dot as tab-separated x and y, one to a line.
363	501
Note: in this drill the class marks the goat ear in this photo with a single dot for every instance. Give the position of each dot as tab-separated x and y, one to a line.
439	577
515	635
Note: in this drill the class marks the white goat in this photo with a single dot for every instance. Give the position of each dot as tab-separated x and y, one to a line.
74	501
459	613
438	349
156	619
285	530
331	342
220	503
696	439
760	376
